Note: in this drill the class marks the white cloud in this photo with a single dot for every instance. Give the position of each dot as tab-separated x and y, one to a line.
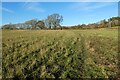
86	6
34	6
98	5
6	10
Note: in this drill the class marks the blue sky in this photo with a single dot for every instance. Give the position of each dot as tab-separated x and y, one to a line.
73	13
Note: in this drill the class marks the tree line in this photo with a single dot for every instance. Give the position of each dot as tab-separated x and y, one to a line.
111	22
54	21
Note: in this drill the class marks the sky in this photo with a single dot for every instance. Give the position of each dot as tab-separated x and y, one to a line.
73	13
60	0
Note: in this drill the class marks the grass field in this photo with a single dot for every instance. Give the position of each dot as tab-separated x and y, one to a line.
60	53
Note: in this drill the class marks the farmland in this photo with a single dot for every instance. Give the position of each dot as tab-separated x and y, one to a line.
60	53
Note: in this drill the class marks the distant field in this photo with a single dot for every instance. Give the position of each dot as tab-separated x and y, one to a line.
60	53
